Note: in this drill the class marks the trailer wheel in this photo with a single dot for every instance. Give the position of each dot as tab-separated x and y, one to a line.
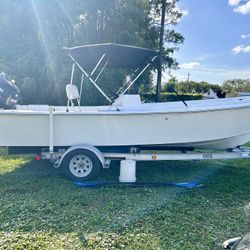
81	164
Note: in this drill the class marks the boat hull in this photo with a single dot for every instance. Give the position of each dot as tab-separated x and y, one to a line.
210	129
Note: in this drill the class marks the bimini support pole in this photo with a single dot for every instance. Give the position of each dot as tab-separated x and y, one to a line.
81	90
93	71
137	76
71	81
72	73
95	68
104	66
127	82
90	79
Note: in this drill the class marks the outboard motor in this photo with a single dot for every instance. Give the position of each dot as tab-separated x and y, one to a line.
9	93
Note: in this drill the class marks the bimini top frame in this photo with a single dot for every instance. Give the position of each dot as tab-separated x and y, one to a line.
93	59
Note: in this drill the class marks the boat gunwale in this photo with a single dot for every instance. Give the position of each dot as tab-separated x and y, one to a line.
117	112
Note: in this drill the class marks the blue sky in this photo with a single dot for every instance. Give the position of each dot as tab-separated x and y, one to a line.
217	40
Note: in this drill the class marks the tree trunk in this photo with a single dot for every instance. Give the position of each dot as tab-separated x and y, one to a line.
158	86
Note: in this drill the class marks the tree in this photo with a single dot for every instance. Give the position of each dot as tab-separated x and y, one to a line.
170	86
125	22
192	87
170	15
32	34
232	87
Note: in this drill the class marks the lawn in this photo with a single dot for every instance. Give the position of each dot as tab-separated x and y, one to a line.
40	209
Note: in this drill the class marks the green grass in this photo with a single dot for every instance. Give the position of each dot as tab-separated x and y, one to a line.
40	209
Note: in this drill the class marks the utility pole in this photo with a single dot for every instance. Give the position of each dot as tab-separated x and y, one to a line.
158	85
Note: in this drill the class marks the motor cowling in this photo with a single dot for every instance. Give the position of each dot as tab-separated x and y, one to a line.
9	93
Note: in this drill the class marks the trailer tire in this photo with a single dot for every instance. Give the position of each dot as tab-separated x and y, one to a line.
81	164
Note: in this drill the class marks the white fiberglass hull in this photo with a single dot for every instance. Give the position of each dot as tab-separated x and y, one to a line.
204	124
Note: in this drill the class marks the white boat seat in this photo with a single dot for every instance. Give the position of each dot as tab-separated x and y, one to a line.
72	94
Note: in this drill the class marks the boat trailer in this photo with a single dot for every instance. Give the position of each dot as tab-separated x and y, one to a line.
83	162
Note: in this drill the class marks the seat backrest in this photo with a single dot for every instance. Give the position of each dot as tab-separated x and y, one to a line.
72	92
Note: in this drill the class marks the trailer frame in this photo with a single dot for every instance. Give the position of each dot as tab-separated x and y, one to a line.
135	155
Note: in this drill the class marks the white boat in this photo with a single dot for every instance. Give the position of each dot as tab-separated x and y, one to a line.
126	122
206	124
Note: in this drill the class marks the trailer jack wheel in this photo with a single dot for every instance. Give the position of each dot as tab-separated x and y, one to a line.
81	164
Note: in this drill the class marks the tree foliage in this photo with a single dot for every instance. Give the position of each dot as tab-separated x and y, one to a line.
33	33
171	38
189	86
236	85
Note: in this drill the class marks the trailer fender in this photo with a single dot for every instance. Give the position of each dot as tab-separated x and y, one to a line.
91	148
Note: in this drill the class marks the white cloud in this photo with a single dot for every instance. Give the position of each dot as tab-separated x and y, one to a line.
185	12
243	9
244	36
190	65
233	2
240	6
238	49
241	49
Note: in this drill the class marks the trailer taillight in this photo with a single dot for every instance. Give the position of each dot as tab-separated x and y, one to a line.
38	157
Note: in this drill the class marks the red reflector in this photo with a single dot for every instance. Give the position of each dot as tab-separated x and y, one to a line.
38	157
